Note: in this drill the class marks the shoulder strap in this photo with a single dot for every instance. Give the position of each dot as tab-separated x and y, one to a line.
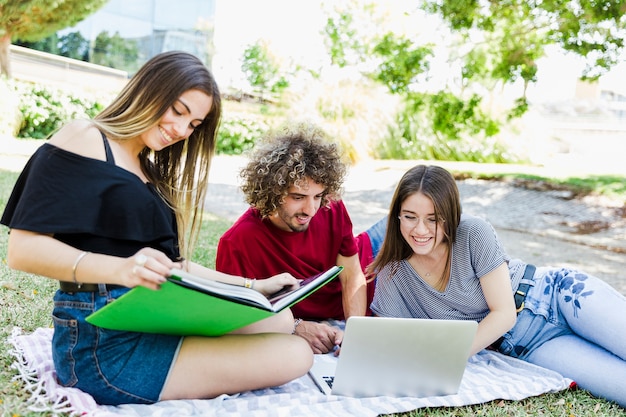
107	149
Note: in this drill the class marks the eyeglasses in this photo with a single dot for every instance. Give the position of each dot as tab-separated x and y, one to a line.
410	221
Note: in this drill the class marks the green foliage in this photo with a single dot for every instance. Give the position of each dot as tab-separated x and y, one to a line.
257	66
31	20
74	45
238	133
450	125
115	52
49	44
487	46
45	109
403	62
441	126
452	117
262	69
71	45
348	35
519	109
340	38
594	30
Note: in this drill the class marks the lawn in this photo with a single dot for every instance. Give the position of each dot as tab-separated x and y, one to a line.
25	302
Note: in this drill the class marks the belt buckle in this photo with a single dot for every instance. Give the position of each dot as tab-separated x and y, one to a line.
523	296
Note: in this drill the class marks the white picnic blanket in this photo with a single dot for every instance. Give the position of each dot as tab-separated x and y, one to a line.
488	376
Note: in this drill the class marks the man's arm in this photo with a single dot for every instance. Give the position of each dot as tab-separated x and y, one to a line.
353	284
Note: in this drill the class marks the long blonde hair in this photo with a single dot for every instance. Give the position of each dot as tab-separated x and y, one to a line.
179	172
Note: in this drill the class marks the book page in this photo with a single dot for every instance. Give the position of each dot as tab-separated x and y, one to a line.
281	300
223	289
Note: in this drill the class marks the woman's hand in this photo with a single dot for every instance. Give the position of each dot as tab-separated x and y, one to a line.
148	267
276	283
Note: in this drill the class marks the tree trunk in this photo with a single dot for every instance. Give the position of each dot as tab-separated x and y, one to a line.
5	61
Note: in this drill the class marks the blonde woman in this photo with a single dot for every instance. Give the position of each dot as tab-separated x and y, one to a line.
115	202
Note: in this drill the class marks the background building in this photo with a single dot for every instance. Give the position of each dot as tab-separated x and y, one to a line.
156	25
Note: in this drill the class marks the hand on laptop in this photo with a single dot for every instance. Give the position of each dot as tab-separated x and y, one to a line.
321	337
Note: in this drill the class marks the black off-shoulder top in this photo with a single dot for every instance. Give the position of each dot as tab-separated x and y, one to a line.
90	204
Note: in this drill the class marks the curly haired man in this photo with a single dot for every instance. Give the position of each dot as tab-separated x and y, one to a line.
297	223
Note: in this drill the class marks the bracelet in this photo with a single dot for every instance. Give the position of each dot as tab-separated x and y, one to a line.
295	324
248	283
76	262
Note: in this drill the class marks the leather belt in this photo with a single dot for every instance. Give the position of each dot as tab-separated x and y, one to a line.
519	296
71	287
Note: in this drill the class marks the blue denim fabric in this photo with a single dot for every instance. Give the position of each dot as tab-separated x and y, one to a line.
376	233
114	367
575	324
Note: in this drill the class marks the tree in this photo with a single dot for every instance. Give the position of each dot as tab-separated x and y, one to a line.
49	44
486	45
262	69
518	31
115	51
74	45
31	20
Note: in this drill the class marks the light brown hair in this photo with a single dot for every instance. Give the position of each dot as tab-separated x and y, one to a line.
180	172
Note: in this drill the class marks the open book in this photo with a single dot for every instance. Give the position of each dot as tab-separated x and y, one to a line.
243	295
190	305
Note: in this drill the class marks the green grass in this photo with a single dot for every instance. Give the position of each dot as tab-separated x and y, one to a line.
613	186
26	302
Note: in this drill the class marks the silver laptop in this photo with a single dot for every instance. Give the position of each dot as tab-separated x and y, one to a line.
398	357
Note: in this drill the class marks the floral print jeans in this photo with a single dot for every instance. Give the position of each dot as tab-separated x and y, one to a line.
574	324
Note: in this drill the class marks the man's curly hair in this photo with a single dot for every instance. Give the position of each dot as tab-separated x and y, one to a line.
291	156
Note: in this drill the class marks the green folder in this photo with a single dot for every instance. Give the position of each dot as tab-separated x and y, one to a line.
187	305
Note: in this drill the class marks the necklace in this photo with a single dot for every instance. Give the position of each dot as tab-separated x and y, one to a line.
436	268
424	274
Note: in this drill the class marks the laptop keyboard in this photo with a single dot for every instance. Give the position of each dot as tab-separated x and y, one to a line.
329	380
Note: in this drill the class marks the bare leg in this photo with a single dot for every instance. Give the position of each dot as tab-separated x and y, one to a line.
210	366
278	323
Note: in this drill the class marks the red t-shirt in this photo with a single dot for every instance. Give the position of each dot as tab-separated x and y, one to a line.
256	248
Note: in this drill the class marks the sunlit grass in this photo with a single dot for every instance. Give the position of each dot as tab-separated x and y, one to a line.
612	186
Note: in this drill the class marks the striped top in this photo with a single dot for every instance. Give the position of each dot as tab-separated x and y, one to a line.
476	252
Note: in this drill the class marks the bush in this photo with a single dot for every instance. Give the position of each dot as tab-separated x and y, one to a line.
412	136
238	134
45	109
41	110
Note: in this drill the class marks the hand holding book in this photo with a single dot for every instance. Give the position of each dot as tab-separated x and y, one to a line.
284	282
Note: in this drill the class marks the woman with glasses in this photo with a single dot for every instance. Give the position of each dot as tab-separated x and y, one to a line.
437	263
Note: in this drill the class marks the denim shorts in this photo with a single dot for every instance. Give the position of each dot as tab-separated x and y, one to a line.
112	366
